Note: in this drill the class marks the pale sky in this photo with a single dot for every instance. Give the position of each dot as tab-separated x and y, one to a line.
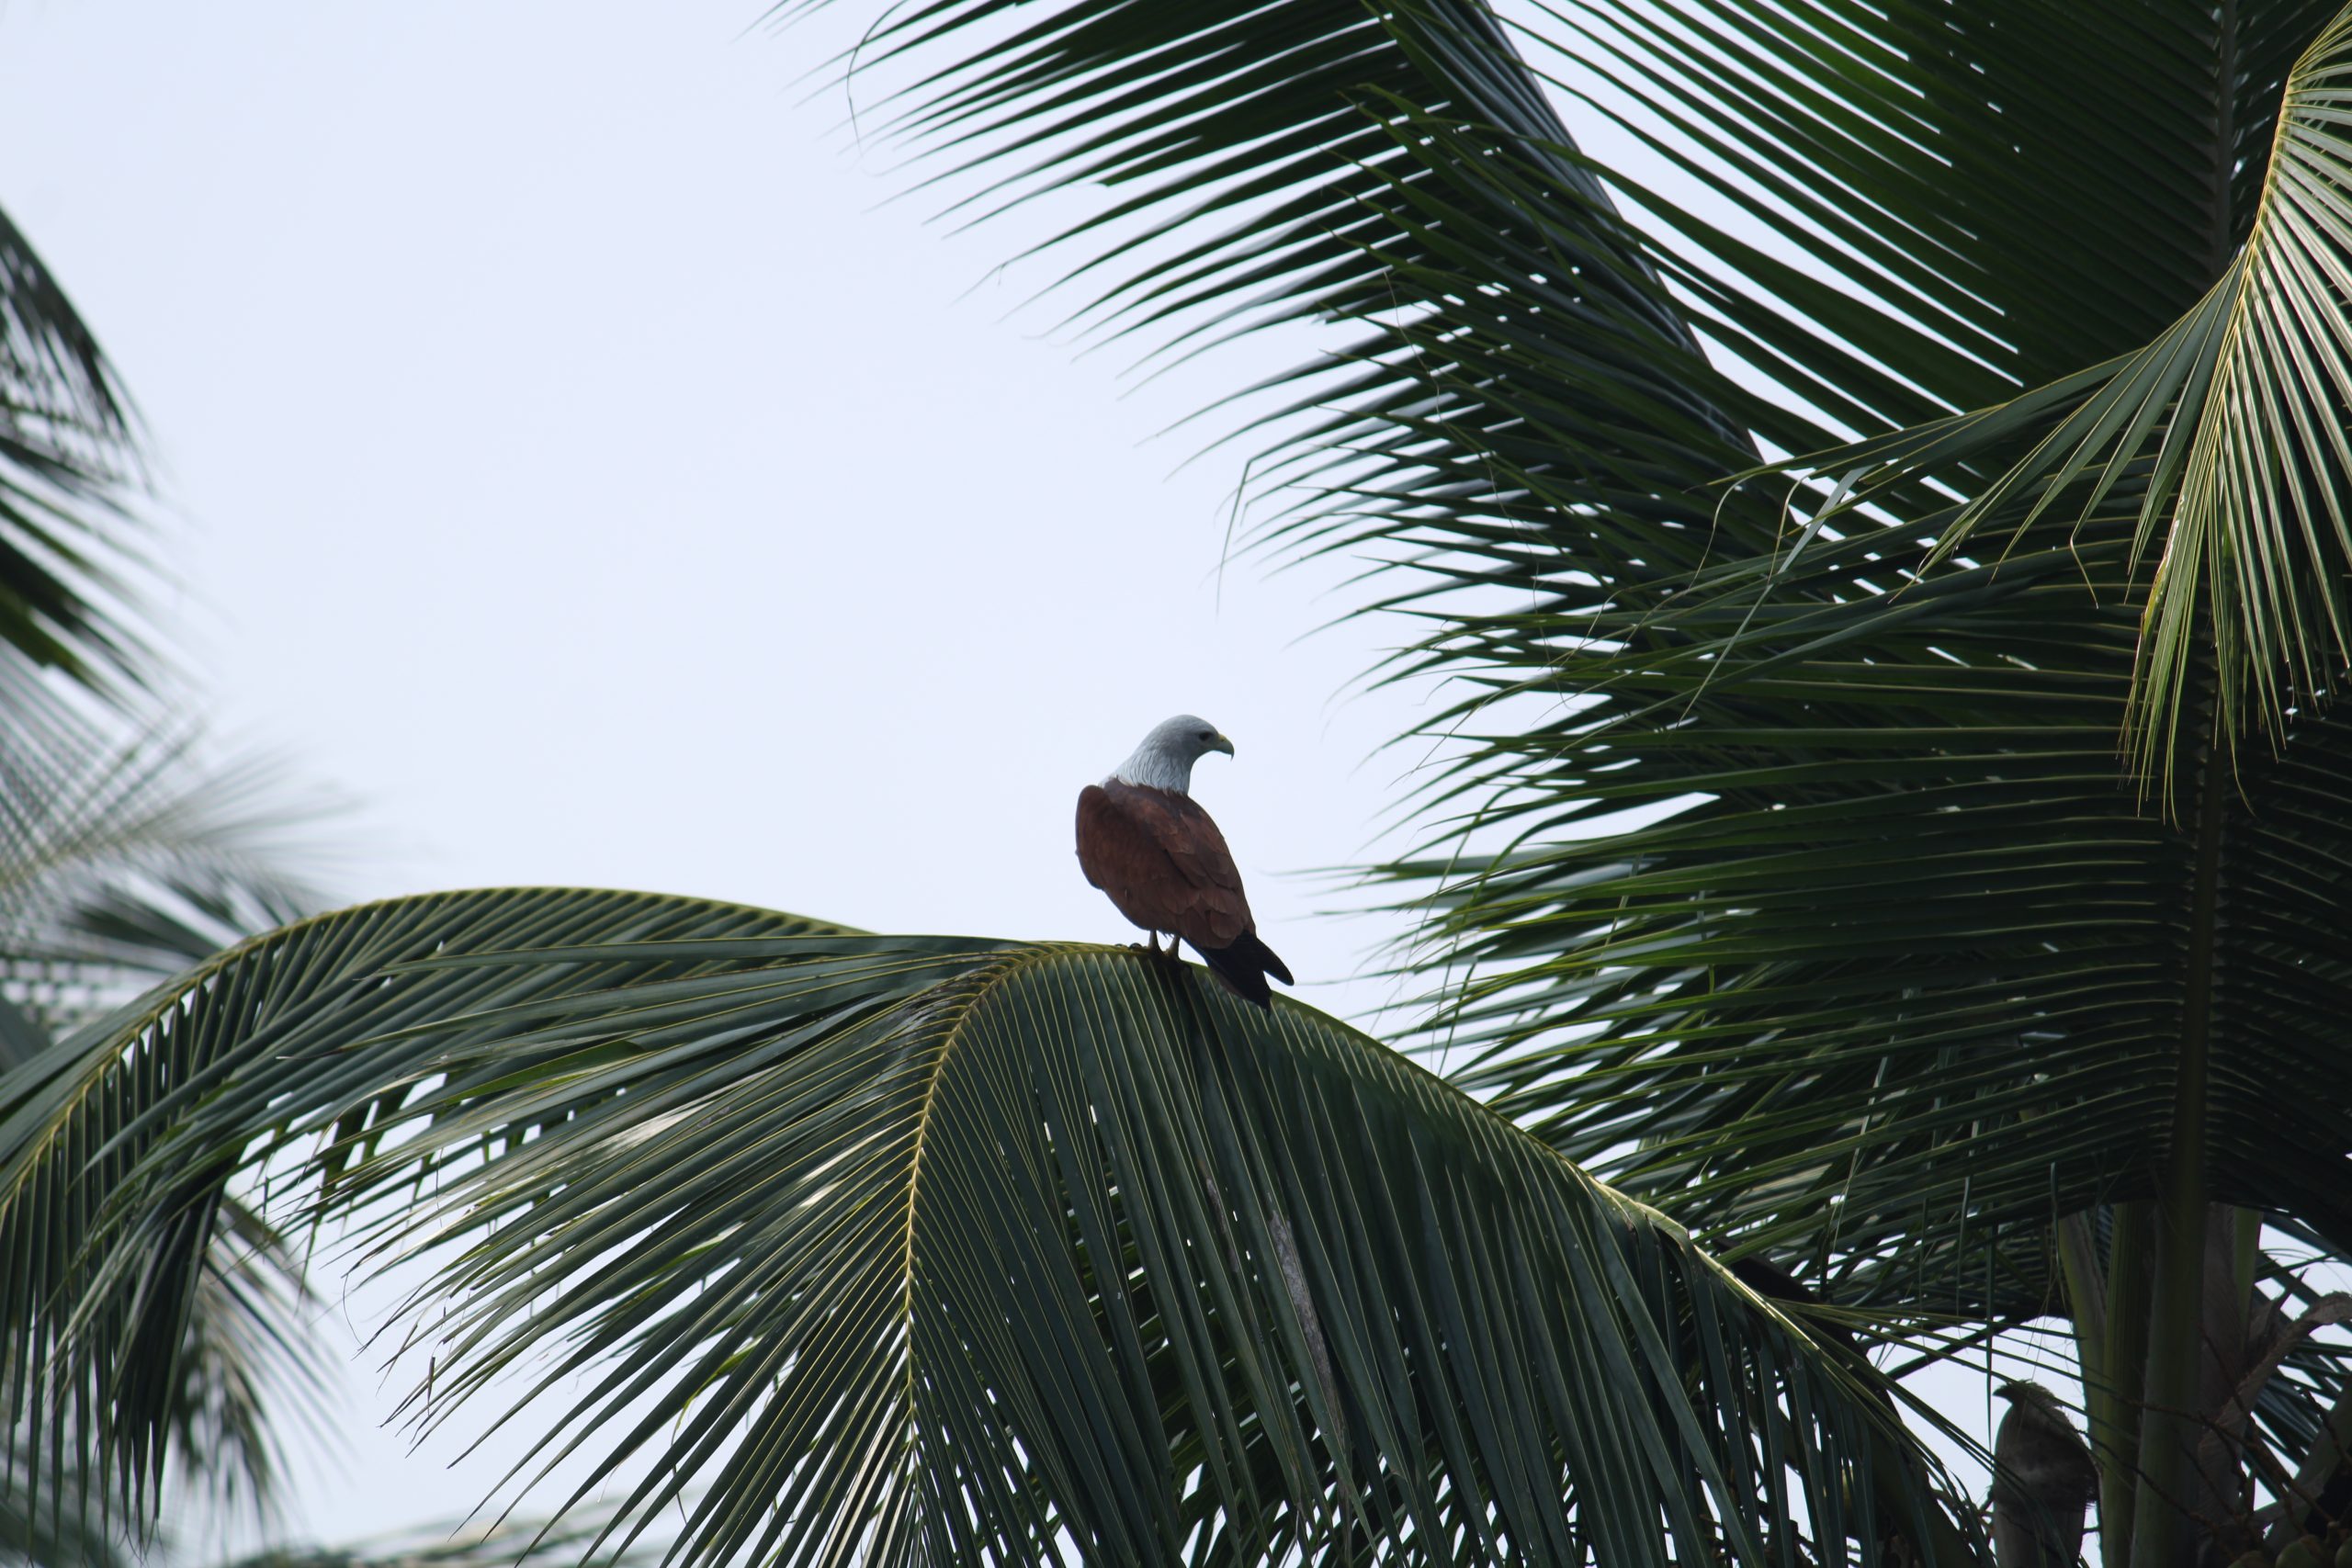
584	474
574	460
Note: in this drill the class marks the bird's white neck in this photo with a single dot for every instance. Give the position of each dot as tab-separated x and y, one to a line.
1155	768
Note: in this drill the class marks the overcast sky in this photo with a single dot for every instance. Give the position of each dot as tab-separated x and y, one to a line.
571	458
583	471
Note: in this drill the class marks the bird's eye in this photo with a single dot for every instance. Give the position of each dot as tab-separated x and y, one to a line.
1209	734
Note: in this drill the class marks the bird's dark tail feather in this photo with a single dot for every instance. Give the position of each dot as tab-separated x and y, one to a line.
1243	964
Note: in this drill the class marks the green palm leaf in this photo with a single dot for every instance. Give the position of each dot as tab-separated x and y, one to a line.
122	861
932	1248
1895	963
42	1535
2227	429
1781	836
127	856
1242	150
246	1375
66	453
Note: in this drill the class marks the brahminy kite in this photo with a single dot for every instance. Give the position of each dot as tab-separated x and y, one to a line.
1142	840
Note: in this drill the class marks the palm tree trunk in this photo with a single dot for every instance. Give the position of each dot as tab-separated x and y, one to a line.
2112	1347
2161	1533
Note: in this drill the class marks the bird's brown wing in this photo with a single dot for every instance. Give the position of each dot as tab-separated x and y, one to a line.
1162	860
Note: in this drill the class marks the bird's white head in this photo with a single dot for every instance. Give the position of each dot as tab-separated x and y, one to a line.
1165	759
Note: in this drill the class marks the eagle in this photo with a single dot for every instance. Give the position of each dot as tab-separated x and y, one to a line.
2043	1480
1142	840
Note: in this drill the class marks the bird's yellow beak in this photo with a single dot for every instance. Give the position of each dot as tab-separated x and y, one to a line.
1222	744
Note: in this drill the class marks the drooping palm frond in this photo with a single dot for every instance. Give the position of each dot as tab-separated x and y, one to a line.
1239	146
1950	189
1981	173
37	1535
929	1249
247	1378
1842	838
1893	961
254	1375
123	860
1817	848
67	453
2227	424
126	855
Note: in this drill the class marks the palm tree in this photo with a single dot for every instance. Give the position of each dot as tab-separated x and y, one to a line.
1881	892
126	855
69	464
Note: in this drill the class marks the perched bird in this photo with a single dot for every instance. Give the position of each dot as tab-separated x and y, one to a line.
2043	1480
1144	841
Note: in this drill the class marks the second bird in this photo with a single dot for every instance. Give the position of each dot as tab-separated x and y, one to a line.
1142	840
